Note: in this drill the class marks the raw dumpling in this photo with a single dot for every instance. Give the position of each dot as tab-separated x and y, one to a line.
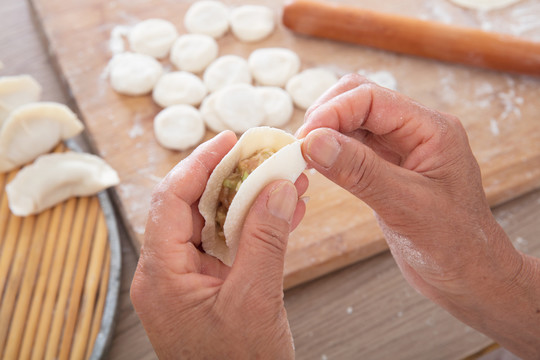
56	177
286	163
34	129
16	91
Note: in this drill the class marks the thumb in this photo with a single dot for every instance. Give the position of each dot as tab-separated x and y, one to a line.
259	261
355	167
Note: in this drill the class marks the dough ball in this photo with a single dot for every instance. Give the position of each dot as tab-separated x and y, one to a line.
273	66
484	4
277	105
179	127
226	70
250	23
194	52
152	37
207	17
240	107
306	87
179	87
134	74
209	114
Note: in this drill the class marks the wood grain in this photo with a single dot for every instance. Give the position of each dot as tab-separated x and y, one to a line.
120	127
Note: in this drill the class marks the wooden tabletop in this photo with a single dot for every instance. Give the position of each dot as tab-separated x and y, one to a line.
364	311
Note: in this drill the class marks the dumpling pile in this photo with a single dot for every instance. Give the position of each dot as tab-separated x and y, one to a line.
29	129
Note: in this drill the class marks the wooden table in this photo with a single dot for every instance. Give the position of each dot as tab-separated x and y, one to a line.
364	311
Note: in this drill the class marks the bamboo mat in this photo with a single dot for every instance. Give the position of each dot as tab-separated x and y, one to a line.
54	277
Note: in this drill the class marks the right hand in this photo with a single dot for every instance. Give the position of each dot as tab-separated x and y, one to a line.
414	167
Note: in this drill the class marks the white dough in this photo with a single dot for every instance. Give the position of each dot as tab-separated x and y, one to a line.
484	4
207	17
277	104
179	87
209	114
34	129
16	91
134	74
53	178
382	78
226	70
240	107
194	52
250	23
179	127
287	163
306	87
153	37
273	66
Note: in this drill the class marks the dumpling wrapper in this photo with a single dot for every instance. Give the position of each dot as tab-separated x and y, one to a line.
35	129
53	178
287	164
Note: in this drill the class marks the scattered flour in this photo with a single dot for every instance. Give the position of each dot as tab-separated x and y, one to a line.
117	39
494	127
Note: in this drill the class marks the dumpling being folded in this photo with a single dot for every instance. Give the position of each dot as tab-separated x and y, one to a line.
53	178
260	156
16	91
35	129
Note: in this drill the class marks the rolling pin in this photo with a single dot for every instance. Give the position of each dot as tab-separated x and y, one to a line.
411	36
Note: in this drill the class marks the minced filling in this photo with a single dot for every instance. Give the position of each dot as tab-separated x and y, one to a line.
232	183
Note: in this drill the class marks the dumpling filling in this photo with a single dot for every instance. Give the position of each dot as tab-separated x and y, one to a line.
232	183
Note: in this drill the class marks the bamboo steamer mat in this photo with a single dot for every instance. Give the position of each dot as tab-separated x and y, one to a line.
59	279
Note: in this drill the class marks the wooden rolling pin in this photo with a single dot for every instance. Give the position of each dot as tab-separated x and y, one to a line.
413	36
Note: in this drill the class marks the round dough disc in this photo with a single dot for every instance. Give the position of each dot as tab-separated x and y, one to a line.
134	74
152	37
179	127
207	17
226	70
277	105
179	87
194	52
484	4
240	107
209	114
273	66
250	23
306	87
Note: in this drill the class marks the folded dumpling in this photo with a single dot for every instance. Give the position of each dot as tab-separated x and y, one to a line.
260	156
35	129
53	178
16	91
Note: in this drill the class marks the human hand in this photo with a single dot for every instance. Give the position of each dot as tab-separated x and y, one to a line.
192	305
414	167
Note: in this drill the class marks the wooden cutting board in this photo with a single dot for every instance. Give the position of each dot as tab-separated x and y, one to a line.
499	111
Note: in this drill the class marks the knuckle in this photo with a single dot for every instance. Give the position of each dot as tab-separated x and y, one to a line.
357	172
270	236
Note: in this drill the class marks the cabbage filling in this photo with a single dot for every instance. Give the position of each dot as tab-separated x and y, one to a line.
231	185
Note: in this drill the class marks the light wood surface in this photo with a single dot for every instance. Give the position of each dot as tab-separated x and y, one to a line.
501	121
363	311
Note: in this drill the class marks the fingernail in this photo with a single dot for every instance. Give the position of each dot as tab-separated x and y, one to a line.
323	149
282	201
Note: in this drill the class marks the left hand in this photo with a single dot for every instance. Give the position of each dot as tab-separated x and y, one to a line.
192	305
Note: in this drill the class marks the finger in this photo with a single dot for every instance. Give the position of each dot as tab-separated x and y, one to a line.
346	83
301	184
170	220
401	123
259	262
357	168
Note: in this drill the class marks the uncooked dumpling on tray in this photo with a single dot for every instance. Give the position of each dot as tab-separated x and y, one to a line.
35	129
53	178
260	156
16	91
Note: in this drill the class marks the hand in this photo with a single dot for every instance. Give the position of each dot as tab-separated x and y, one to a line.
415	168
192	305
